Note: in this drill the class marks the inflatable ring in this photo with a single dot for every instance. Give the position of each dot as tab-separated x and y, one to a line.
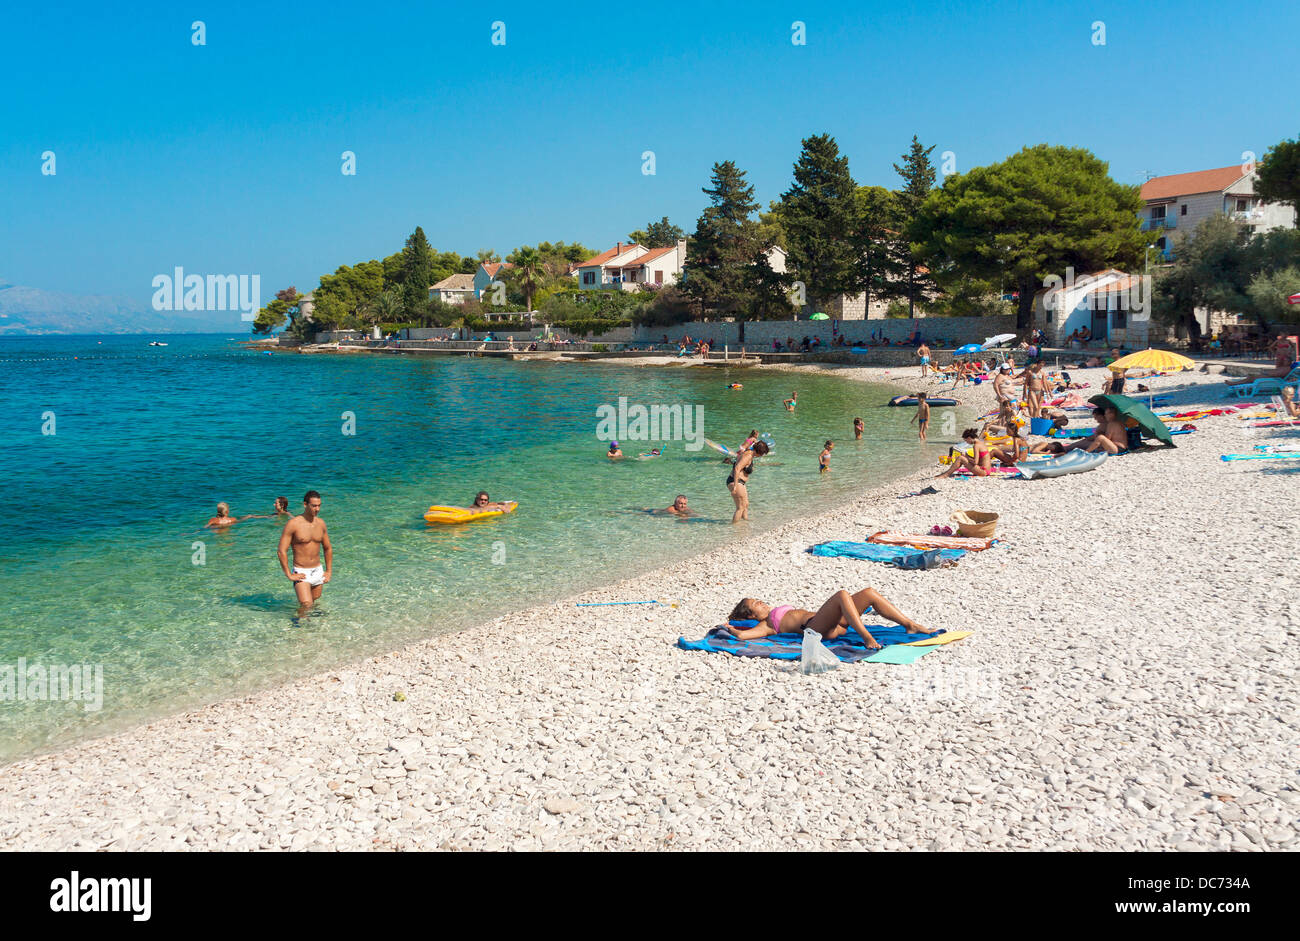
451	515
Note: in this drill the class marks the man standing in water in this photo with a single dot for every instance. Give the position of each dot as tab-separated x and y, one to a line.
308	535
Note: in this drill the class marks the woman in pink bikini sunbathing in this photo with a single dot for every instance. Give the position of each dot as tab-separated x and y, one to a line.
840	612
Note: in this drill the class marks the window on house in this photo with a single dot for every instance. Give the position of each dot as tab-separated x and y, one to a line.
1183	209
1119	319
1157	212
589	277
659	277
1243	205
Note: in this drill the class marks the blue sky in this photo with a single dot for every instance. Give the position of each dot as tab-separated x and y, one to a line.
225	158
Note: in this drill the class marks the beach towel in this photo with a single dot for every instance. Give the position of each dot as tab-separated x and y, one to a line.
944	637
904	557
850	647
900	654
923	541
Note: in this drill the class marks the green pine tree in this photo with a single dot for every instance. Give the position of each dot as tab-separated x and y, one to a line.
725	266
1035	214
417	268
820	218
918	180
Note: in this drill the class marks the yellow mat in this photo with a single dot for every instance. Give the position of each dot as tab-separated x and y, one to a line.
947	638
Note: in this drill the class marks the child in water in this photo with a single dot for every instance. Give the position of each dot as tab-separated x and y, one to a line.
824	462
922	416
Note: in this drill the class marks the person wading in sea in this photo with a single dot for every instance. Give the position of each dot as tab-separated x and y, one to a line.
308	536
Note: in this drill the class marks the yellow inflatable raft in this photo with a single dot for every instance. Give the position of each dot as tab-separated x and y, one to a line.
458	514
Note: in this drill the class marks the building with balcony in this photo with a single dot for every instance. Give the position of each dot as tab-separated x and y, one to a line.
1181	201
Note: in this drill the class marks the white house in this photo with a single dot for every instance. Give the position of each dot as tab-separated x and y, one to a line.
453	289
1179	203
658	266
1114	308
605	271
486	274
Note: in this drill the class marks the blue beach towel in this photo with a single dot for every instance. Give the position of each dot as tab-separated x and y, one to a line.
850	647
904	557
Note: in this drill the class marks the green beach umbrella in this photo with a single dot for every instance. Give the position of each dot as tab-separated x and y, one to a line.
1131	408
819	316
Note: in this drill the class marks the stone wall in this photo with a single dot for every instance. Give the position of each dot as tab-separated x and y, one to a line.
759	334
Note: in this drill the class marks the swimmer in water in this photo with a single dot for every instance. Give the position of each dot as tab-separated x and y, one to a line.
791	402
679	507
484	505
224	519
614	453
858	428
824	462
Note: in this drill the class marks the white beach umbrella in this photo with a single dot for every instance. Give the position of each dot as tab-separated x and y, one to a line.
997	340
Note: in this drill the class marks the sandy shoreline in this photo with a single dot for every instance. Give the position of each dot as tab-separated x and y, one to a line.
1131	685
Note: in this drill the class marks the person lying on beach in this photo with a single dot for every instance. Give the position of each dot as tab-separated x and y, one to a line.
1048	447
613	453
223	517
679	507
980	465
833	619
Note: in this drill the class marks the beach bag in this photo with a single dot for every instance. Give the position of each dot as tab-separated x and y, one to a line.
815	658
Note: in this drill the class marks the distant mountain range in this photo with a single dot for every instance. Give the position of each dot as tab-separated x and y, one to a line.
30	311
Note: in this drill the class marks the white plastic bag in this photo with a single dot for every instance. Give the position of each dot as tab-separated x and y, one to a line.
815	658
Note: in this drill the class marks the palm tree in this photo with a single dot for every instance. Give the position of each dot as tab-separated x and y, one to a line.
390	306
530	269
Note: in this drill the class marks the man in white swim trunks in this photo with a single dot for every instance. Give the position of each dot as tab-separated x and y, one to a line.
308	535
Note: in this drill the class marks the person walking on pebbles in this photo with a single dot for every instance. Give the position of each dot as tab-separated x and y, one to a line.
922	416
833	619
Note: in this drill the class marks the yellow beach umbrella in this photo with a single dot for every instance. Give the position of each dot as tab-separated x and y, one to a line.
1152	359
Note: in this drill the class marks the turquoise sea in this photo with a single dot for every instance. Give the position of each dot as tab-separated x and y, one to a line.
104	560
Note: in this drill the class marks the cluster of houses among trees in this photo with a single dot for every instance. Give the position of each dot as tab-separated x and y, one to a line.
985	241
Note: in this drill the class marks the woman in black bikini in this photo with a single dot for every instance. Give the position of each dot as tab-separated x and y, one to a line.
738	480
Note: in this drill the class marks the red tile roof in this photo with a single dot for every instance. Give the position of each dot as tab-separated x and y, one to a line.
606	255
648	256
1188	184
493	268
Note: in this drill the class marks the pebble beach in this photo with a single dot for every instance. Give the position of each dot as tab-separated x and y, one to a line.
1130	685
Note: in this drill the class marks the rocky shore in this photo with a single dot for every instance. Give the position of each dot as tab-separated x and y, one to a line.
1131	684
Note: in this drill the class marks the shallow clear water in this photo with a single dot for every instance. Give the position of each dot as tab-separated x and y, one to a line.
102	518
